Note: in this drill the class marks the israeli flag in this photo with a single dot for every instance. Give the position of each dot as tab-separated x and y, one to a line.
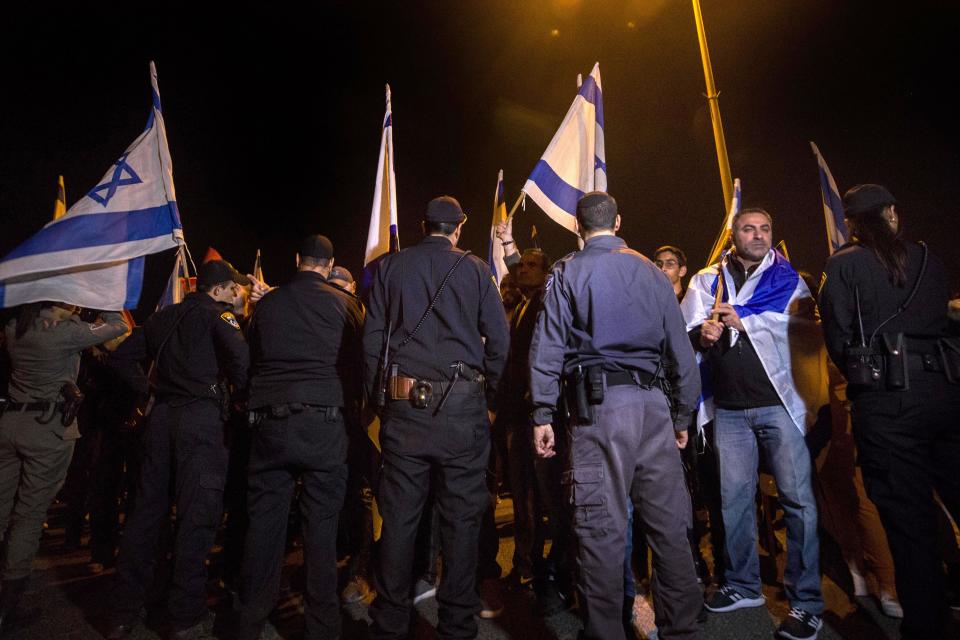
779	315
495	251
93	256
575	161
177	284
837	233
382	236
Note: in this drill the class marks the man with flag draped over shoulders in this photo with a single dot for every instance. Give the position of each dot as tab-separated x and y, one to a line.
766	371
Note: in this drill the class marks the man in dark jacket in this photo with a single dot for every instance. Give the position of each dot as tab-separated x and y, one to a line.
304	382
439	312
198	349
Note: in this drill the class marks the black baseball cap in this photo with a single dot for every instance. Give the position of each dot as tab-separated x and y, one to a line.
444	209
216	271
316	246
865	197
340	273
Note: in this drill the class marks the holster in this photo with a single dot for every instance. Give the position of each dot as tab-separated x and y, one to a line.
897	371
949	350
584	388
72	399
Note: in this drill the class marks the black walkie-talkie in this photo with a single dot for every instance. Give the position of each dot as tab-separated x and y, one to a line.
380	392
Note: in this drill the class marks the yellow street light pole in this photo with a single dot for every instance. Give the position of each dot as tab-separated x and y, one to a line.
712	96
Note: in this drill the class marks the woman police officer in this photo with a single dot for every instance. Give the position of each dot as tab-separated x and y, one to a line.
884	305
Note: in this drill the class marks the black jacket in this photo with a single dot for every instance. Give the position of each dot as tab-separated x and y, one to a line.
467	323
857	267
305	345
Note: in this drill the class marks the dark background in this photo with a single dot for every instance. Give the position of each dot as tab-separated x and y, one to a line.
273	114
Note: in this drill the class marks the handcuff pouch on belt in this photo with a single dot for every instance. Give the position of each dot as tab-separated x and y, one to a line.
585	388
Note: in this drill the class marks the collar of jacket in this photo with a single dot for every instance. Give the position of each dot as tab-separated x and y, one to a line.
604	242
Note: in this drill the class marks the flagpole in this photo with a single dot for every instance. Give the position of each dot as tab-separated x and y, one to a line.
515	205
713	96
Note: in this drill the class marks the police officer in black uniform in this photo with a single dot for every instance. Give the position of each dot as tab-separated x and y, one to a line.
903	373
194	345
304	380
439	311
611	328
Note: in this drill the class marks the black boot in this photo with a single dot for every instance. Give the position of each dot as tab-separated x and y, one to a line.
11	616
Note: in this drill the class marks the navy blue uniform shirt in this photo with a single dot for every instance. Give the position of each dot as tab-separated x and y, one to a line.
609	305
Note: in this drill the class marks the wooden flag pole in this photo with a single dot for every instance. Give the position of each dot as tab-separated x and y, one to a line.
515	205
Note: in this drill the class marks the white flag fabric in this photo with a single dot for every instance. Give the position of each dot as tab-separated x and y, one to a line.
832	205
575	160
382	235
174	292
779	315
495	251
93	255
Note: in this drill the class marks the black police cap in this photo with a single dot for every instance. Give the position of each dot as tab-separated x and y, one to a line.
217	271
597	200
865	197
444	209
316	246
341	273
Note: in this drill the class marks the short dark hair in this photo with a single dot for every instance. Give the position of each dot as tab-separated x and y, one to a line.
677	251
544	258
207	288
446	228
749	210
596	211
310	261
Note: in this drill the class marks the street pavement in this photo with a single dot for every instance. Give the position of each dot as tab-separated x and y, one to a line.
72	604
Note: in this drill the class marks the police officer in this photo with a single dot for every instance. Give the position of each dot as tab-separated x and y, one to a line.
192	344
36	435
610	327
439	312
304	381
905	415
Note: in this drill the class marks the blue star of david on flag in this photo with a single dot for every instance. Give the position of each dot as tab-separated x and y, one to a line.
116	180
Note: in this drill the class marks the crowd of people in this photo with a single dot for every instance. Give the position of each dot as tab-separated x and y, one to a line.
626	415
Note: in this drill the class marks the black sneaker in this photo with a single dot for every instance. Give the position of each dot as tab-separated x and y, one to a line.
729	599
799	625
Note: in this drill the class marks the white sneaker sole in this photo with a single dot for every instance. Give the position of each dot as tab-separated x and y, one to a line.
743	603
426	595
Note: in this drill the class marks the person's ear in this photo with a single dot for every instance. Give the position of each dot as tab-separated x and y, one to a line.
298	260
683	271
616	224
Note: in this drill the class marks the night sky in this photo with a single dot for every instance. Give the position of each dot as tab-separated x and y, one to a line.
273	114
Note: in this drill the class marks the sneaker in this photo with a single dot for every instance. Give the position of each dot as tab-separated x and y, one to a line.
491	604
203	630
800	625
551	598
890	606
727	598
357	590
423	590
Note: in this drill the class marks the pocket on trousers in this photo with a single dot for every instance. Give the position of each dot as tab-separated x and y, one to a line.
585	487
209	503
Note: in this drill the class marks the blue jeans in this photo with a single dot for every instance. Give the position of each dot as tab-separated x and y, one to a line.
738	434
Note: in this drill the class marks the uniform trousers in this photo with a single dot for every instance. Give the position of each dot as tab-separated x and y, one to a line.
628	452
455	444
310	445
184	446
909	447
33	463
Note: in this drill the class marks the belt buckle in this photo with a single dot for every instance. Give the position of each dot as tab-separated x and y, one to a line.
421	394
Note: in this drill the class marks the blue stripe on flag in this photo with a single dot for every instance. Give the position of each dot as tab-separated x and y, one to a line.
99	229
134	282
832	200
388	121
599	164
774	291
553	186
592	94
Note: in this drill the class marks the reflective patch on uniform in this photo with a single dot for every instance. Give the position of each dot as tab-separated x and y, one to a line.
230	319
548	283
